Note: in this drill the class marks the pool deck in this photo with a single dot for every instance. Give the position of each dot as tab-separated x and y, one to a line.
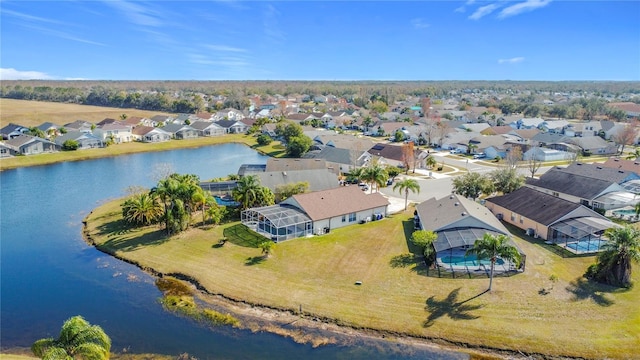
580	252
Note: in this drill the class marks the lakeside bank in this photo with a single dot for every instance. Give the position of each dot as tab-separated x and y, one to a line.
137	147
397	299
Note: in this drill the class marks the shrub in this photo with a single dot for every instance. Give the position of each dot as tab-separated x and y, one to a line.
70	145
264	140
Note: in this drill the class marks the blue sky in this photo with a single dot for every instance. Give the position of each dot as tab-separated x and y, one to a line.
320	40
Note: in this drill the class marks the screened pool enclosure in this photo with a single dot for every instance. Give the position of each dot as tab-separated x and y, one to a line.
278	222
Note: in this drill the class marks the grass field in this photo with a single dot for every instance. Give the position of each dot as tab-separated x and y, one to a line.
33	113
569	318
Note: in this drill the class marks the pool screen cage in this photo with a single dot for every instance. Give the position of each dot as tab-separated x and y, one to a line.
586	230
278	222
452	242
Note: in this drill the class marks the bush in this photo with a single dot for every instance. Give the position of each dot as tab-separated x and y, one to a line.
70	145
264	140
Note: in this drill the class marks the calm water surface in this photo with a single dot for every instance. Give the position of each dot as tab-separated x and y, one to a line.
49	274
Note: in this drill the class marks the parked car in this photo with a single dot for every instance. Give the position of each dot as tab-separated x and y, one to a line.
455	151
479	156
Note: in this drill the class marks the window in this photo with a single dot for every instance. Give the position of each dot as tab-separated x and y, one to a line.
352	217
344	218
555	194
584	202
513	217
521	219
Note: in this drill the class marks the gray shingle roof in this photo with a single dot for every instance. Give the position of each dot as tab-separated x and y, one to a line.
437	214
535	205
572	184
318	179
598	171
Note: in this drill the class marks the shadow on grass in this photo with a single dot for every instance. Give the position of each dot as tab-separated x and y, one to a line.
403	261
450	307
583	289
241	235
116	231
255	260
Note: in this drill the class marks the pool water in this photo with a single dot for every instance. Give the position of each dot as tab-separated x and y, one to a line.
224	202
625	212
586	246
458	260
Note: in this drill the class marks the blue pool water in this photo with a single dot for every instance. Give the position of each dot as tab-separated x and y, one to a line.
225	202
586	246
458	260
627	212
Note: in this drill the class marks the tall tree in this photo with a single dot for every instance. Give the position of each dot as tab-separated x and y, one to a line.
627	135
406	185
513	157
424	240
298	146
78	340
506	179
472	185
492	247
533	162
375	175
614	263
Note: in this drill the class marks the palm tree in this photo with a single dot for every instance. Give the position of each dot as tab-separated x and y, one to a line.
246	192
375	174
430	161
634	155
142	209
202	198
267	247
35	131
614	263
78	340
493	247
404	186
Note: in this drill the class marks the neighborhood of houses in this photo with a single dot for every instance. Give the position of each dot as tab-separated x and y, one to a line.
569	206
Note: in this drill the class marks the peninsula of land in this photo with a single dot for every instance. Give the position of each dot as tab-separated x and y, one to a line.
315	278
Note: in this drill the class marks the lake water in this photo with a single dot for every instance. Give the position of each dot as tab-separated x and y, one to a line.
49	274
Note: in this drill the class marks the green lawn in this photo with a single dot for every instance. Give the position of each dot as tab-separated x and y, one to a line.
574	318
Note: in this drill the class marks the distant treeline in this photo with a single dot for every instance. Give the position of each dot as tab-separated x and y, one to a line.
190	96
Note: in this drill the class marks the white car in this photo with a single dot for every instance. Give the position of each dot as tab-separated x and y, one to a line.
455	151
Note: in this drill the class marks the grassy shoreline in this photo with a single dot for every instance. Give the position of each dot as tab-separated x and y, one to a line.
574	319
137	147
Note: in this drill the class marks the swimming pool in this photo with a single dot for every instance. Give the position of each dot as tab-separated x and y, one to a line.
586	245
225	202
626	212
471	260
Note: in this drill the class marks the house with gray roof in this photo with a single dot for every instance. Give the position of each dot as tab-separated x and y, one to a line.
233	126
317	179
181	132
594	145
342	160
117	132
79	125
85	140
580	189
26	145
459	222
551	218
150	134
208	128
285	164
49	129
527	123
315	213
12	130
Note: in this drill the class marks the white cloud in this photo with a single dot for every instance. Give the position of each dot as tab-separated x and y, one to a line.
271	27
528	5
483	11
514	60
136	13
225	48
419	23
27	17
13	74
460	9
